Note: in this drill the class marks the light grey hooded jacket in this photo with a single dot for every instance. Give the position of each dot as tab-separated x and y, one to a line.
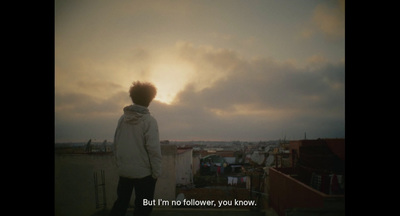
137	148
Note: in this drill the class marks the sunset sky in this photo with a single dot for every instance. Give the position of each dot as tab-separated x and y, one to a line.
245	70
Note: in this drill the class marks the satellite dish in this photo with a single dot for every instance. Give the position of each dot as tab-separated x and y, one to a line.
257	157
270	160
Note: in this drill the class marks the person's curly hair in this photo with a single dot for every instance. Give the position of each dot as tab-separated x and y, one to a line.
142	93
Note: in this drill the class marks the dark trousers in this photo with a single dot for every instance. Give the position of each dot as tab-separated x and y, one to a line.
144	189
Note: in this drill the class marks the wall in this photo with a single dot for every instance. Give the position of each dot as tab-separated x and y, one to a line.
74	181
195	163
287	193
166	184
183	166
337	146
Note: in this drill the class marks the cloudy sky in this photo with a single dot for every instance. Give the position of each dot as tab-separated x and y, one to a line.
245	70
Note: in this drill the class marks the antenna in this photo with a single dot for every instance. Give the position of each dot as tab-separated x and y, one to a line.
105	145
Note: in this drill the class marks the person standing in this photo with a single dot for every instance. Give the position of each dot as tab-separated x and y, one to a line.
137	152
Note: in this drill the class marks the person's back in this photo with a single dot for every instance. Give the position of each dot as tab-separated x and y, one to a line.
137	151
137	148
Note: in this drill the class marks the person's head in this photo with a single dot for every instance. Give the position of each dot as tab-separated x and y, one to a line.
142	93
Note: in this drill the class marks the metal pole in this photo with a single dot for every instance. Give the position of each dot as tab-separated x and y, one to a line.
104	188
95	189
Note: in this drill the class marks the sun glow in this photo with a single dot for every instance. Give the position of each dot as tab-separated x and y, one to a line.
170	79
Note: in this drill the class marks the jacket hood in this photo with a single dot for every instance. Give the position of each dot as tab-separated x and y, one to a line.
135	113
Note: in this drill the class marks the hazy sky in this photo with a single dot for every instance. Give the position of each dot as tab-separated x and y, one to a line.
244	70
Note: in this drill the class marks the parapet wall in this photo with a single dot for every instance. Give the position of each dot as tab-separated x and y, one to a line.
287	193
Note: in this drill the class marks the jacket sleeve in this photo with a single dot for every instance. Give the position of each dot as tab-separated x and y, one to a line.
152	143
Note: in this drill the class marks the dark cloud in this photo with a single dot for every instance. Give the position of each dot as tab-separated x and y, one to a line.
270	85
98	86
80	117
75	106
258	99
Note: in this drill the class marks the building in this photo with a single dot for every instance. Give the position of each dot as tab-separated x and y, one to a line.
314	182
184	166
